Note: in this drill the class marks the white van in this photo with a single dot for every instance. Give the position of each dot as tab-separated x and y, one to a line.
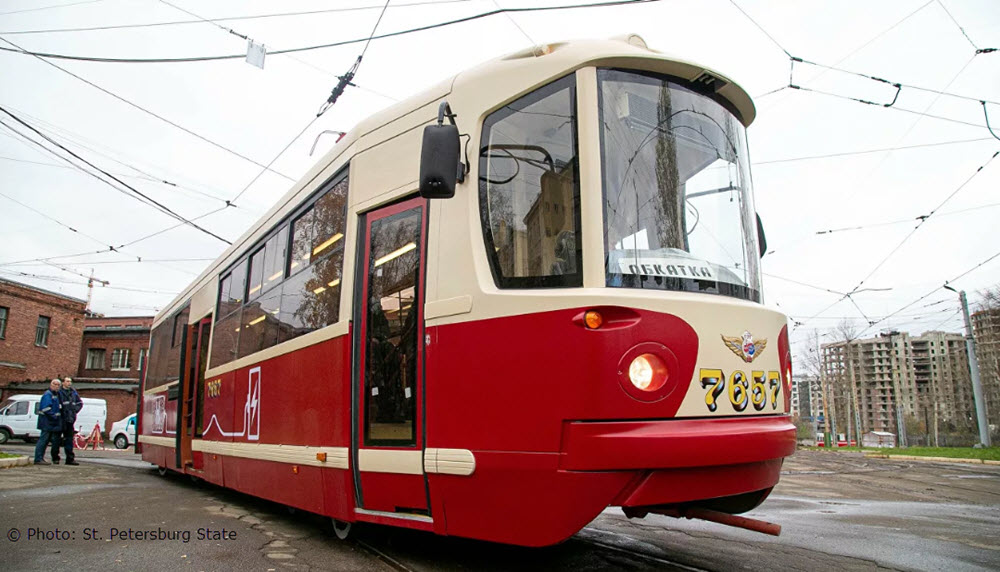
19	417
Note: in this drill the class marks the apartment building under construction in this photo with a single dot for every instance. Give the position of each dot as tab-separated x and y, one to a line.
986	325
877	383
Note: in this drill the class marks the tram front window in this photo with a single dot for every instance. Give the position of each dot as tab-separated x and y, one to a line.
677	205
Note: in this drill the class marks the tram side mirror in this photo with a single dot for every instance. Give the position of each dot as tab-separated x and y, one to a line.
440	162
761	239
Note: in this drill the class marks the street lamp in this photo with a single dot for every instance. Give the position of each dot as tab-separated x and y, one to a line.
977	386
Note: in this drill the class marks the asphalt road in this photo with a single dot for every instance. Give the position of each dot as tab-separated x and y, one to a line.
838	511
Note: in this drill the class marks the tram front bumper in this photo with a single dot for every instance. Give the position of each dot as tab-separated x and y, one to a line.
682	460
675	443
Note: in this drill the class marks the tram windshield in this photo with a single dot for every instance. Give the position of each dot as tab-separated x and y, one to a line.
678	210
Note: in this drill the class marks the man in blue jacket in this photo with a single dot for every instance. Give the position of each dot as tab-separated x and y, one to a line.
70	404
49	421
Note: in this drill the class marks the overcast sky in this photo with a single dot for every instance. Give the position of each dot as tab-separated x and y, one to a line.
255	113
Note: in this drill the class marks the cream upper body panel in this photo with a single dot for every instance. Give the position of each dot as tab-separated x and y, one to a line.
384	152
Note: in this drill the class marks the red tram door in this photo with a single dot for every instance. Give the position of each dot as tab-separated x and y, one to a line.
388	436
192	398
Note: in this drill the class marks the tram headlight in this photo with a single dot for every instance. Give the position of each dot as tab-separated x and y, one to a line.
648	372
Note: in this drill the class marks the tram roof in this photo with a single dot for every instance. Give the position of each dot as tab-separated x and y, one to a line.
491	84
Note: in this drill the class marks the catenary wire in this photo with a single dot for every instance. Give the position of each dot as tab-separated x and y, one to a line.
906	220
148	112
79	141
759	27
163	208
60	223
231	18
923	220
344	80
109	248
48	55
50	7
960	28
868	151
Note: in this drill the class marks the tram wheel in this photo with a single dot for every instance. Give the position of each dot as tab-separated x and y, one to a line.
162	471
341	529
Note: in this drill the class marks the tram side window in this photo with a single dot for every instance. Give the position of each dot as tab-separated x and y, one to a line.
274	258
225	334
256	274
278	308
164	365
529	192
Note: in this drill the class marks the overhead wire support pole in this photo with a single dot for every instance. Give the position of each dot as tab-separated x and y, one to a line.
977	384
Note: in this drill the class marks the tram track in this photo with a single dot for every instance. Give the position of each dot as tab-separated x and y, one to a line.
583	536
383	557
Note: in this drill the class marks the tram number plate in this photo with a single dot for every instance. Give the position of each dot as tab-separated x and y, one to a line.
743	391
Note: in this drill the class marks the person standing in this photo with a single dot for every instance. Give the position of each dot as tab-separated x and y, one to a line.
70	404
49	421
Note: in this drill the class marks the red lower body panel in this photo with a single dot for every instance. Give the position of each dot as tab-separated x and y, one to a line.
523	498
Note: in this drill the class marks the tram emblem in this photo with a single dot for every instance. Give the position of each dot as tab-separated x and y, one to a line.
746	348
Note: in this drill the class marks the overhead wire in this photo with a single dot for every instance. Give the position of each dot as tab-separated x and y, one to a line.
50	7
906	220
923	220
110	248
60	223
759	27
936	289
67	281
146	111
343	82
134	192
867	151
49	55
960	28
232	18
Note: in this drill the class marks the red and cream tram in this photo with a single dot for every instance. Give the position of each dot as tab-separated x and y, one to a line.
494	310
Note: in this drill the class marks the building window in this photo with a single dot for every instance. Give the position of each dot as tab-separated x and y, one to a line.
3	321
142	358
120	360
42	331
95	359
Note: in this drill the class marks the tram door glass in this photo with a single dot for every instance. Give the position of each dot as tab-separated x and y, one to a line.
390	440
391	333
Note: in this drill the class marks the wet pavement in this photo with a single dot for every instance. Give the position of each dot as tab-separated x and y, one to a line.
838	511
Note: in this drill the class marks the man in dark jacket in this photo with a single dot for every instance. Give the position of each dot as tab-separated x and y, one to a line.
49	421
70	404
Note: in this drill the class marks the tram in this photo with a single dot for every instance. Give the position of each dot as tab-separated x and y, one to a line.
494	310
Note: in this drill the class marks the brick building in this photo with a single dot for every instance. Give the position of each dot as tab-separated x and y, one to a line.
45	335
110	361
40	333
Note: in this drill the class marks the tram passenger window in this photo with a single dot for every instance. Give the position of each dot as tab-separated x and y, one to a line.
165	358
311	298
233	297
302	238
256	274
225	337
259	328
330	212
529	190
274	259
